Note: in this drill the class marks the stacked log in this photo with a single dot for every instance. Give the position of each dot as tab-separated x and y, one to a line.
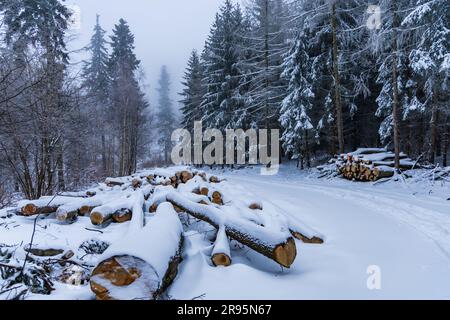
70	211
113	212
370	164
114	182
144	272
166	179
44	205
221	255
216	198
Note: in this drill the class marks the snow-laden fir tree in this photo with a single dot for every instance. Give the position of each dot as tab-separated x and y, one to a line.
166	118
127	99
97	87
394	74
224	103
430	61
193	92
295	119
266	41
332	32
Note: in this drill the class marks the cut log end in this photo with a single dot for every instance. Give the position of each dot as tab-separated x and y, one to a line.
97	219
204	191
221	259
85	210
286	253
186	176
122	216
29	210
136	183
214	179
120	271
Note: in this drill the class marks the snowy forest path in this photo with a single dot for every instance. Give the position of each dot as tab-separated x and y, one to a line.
413	250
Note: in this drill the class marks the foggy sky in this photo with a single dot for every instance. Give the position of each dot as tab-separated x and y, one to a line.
165	32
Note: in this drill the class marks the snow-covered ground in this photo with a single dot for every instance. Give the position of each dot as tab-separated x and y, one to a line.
401	229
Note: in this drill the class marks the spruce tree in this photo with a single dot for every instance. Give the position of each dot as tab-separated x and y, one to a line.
224	103
393	73
267	43
296	107
430	62
193	92
97	86
125	95
165	117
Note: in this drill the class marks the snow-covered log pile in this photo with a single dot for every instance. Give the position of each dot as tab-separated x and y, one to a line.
370	164
143	262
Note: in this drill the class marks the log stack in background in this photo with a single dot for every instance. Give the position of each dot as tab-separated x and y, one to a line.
370	164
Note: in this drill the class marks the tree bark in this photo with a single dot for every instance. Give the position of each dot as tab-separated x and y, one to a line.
395	102
445	143
337	82
433	134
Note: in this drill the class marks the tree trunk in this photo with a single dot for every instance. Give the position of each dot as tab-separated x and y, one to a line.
395	102
337	82
104	165
433	134
445	143
60	165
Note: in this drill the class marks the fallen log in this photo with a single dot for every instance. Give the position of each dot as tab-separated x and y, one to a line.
70	211
216	198
185	176
255	206
275	245
122	216
136	183
204	191
130	270
113	182
44	205
214	179
45	252
305	239
221	253
103	214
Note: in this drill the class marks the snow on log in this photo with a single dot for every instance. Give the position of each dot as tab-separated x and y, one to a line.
68	212
276	245
44	205
221	255
105	213
113	182
143	264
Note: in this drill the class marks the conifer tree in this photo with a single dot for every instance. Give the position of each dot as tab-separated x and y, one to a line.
166	117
